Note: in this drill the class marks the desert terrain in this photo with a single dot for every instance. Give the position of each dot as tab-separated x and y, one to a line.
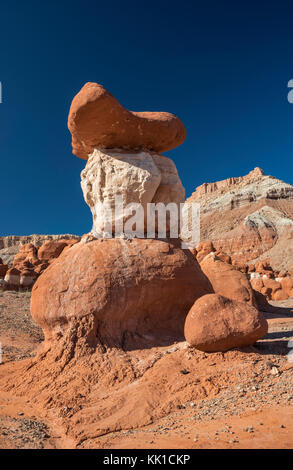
125	337
188	399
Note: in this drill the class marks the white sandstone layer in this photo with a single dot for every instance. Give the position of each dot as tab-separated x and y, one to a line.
131	178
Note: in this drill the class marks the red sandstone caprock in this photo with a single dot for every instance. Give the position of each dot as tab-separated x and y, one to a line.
97	120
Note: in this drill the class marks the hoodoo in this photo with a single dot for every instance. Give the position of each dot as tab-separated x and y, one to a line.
109	287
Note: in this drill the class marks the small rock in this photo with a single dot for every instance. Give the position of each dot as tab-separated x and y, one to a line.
274	371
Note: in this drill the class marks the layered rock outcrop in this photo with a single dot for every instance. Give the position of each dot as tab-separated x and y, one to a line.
248	221
249	218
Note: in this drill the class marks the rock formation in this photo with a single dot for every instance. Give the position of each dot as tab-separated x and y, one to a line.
216	323
249	218
124	291
137	177
10	245
248	222
30	262
106	304
118	291
98	121
226	280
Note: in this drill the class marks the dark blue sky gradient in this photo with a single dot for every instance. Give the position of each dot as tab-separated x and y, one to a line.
222	67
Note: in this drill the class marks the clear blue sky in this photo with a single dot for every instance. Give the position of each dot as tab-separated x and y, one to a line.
221	66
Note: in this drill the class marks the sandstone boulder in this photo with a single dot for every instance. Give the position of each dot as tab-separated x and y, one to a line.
27	253
256	283
216	323
224	257
111	290
226	280
286	283
97	120
51	249
204	249
279	294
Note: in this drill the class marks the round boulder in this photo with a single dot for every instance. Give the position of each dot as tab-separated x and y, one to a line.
117	289
216	323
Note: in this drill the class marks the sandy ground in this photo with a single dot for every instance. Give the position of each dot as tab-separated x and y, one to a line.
240	399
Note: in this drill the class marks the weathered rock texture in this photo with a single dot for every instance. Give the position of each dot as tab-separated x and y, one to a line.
30	262
98	121
249	218
117	292
10	245
137	177
226	280
216	323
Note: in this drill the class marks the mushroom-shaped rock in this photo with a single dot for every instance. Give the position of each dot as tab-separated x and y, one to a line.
97	121
216	323
113	290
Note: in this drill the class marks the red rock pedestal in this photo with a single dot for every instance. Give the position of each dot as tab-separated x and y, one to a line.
118	292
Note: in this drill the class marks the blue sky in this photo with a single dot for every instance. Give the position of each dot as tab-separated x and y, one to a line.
222	67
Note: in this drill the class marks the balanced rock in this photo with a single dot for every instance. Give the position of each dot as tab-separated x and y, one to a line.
98	121
226	280
216	323
137	177
113	290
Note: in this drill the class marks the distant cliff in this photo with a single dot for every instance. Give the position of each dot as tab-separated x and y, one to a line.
249	217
